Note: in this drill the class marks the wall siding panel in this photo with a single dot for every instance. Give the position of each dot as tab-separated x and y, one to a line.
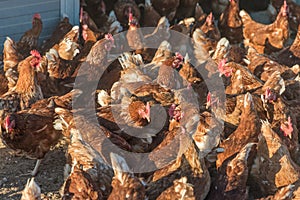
16	16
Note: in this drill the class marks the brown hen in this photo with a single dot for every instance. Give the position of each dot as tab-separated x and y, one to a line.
125	184
29	40
247	131
272	37
230	23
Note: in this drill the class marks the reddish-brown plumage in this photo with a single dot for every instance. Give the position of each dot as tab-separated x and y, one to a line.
30	38
27	87
290	56
247	131
80	185
230	23
272	36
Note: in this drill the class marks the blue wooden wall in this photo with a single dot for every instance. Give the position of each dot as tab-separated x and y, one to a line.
16	16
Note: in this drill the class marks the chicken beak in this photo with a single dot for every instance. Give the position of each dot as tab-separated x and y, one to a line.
290	135
148	119
207	105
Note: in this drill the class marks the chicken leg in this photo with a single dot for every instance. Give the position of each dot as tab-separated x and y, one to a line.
35	170
36	167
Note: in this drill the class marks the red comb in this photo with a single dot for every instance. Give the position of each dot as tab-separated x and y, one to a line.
208	98
222	63
130	17
35	53
84	26
179	56
37	15
109	37
7	121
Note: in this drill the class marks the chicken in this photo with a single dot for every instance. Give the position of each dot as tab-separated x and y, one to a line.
134	35
275	83
161	55
229	110
188	72
150	16
221	50
166	8
210	29
294	17
131	77
79	185
247	131
231	182
199	14
11	56
142	44
208	133
273	167
285	124
62	28
206	37
85	19
242	80
167	76
272	37
27	90
203	49
112	25
180	189
123	8
290	56
154	92
133	117
125	184
292	88
230	23
29	40
31	131
263	67
27	86
294	7
177	157
68	47
31	191
96	13
91	161
87	76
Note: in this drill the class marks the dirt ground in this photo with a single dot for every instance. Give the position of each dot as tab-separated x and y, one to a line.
49	177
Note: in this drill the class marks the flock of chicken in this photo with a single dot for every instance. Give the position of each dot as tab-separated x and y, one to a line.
144	123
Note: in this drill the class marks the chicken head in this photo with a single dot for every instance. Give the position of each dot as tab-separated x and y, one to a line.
111	42
35	61
9	123
144	112
223	69
269	96
284	10
287	128
175	112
